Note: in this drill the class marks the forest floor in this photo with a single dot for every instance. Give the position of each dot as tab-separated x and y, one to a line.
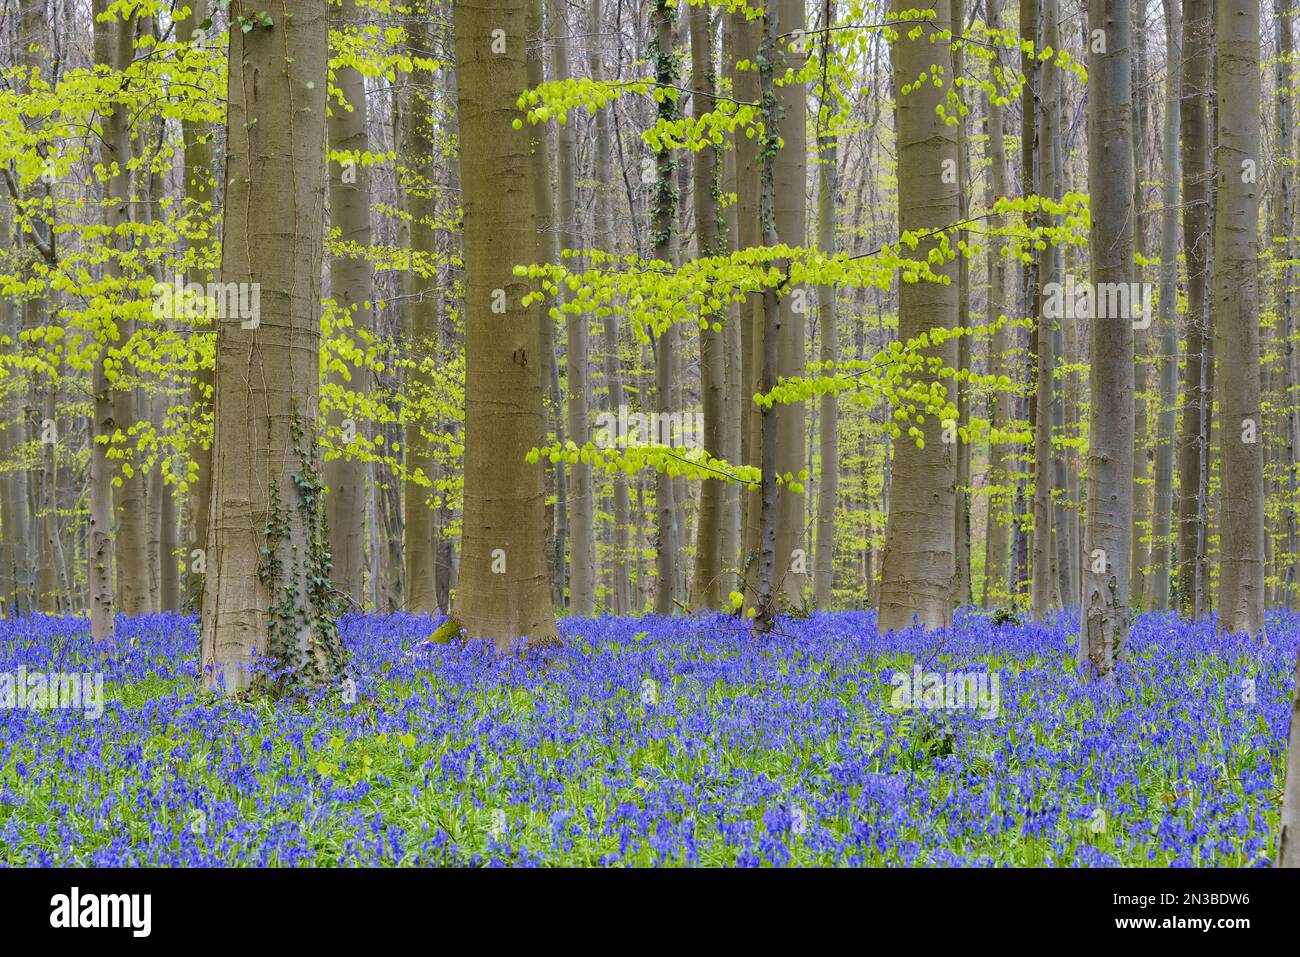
651	741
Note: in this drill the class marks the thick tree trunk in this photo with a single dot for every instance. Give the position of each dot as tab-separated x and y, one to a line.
268	565
1236	319
504	593
1110	445
916	578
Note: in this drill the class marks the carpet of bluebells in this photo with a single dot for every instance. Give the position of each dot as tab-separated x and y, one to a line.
652	741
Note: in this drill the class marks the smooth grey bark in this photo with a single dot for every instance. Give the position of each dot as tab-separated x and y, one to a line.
918	566
829	353
1162	551
503	593
352	291
668	544
1198	366
1236	319
581	495
620	582
706	589
1110	425
267	554
1042	582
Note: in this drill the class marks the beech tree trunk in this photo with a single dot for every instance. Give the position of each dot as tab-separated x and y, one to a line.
582	506
620	591
1043	582
1110	426
997	542
918	565
198	170
268	566
420	320
504	592
1236	319
113	46
828	413
1198	371
706	590
791	210
665	249
350	288
1161	517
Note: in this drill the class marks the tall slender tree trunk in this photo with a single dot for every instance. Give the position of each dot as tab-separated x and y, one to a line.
767	357
199	174
736	397
1162	510
554	479
828	414
131	541
1236	319
962	516
1019	580
503	593
114	41
582	505
1065	512
1197	369
1110	445
420	319
350	288
917	569
665	249
1140	545
1042	582
32	42
267	594
997	543
621	582
748	235
791	211
706	591
14	558
1288	400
